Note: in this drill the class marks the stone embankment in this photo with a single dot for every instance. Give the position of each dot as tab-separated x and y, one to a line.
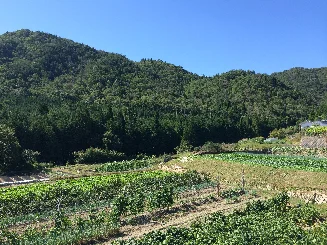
313	142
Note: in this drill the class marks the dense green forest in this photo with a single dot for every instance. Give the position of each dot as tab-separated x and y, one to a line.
60	96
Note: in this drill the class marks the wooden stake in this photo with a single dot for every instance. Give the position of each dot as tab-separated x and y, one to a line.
243	181
218	186
314	198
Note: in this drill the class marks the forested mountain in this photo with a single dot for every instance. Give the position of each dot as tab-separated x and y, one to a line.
313	81
61	96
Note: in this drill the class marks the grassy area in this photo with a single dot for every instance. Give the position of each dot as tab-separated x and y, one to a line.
266	181
73	170
256	177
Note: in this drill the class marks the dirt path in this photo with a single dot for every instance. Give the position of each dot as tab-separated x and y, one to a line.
179	219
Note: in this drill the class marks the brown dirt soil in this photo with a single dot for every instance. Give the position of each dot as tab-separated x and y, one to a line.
181	219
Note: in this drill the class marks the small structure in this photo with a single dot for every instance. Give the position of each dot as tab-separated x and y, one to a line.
270	140
307	124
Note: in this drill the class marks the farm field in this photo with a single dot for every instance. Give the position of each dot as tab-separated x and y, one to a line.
90	208
258	176
261	222
296	162
97	147
143	201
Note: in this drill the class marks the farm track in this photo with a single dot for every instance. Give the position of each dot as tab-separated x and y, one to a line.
183	218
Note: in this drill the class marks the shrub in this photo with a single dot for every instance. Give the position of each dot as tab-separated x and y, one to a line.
97	155
30	156
10	150
183	147
283	132
211	147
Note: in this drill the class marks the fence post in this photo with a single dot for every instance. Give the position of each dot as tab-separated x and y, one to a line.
314	198
218	186
243	181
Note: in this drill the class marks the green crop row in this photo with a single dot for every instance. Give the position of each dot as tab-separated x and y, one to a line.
65	231
262	222
298	150
297	162
316	131
36	198
79	229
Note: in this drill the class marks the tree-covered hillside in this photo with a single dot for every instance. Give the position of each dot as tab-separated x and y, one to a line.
313	81
61	97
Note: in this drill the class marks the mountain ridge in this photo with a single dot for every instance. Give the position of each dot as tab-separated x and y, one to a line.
61	96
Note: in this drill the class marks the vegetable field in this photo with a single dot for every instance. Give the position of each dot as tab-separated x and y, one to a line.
296	162
74	192
316	131
262	222
96	209
87	208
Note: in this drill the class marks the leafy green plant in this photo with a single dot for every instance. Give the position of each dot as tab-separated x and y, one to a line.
305	215
62	221
66	231
316	131
262	222
232	193
30	156
163	198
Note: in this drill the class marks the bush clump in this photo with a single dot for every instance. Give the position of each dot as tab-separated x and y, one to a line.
11	158
184	146
210	147
283	132
97	155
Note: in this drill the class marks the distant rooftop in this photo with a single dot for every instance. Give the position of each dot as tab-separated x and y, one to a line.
307	124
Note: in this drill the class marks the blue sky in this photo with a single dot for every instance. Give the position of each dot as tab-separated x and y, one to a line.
203	36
